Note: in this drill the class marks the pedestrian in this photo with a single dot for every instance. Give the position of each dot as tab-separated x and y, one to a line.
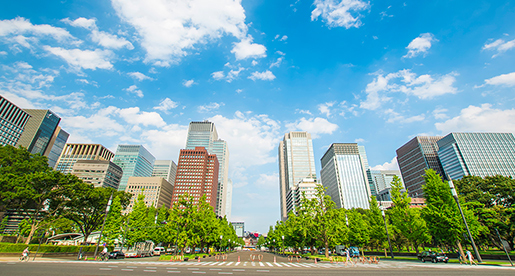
470	258
460	257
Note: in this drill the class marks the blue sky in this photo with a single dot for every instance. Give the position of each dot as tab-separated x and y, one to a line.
373	72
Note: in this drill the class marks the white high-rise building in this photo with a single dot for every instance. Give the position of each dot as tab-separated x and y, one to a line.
296	162
166	169
204	134
344	174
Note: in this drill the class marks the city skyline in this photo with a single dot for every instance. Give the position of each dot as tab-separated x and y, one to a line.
373	73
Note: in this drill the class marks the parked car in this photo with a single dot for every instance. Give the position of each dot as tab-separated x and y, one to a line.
132	254
116	255
158	251
434	257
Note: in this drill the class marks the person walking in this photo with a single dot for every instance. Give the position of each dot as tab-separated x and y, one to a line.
460	258
470	258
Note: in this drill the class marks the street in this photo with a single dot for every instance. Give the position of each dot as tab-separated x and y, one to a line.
245	267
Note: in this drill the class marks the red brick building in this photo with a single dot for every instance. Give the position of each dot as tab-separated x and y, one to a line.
197	175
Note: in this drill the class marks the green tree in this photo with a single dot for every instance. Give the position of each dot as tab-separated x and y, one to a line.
113	230
61	226
139	222
322	207
3	224
359	231
376	224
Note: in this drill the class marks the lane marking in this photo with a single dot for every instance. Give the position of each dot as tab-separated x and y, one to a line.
238	269
224	272
215	269
171	268
151	267
262	270
103	268
174	271
112	266
261	264
199	272
194	268
237	264
149	270
132	267
127	269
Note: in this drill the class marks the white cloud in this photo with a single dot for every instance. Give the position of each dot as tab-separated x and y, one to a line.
314	126
3	53
420	45
134	89
85	59
209	107
139	76
500	46
340	13
266	75
246	49
101	122
423	87
166	105
81	22
325	108
359	140
439	113
482	118
267	181
254	63
188	83
168	29
133	115
102	38
277	63
395	117
283	38
20	26
504	80
300	111
218	75
166	142
387	166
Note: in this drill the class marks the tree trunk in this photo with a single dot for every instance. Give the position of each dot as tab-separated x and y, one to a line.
326	244
32	230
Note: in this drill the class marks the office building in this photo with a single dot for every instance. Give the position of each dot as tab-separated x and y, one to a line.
204	134
479	154
165	169
239	228
197	175
12	122
158	192
296	162
135	160
100	173
73	152
39	130
343	173
382	179
228	201
306	187
58	141
414	158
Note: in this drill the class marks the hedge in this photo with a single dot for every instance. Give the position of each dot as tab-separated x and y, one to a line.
19	247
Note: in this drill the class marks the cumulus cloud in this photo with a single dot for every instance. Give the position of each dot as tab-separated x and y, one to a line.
439	113
267	181
166	142
218	75
169	29
104	39
134	89
166	105
83	59
246	49
405	81
133	115
314	126
340	13
394	117
277	63
188	83
420	45
482	118
266	75
387	166
325	108
499	46
100	122
139	76
22	26
507	80
209	107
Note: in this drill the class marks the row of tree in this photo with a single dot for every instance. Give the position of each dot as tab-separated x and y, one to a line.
52	203
487	204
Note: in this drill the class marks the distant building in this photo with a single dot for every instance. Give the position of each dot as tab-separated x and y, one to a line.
414	158
100	173
239	228
74	152
157	191
166	169
38	130
197	175
343	173
204	134
58	141
12	122
479	154
306	187
135	160
296	162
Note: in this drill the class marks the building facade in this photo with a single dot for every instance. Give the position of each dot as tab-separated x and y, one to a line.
12	122
197	175
382	179
39	130
239	228
306	187
157	191
73	152
135	160
296	162
204	134
58	141
414	158
343	173
100	173
479	154
166	169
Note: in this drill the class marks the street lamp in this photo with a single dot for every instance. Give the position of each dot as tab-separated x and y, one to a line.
283	243
455	195
386	228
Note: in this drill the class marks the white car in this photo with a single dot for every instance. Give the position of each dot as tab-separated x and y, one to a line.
159	250
131	254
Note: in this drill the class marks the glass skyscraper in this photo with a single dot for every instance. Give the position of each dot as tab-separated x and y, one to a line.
135	160
204	134
343	173
296	162
38	130
479	154
166	169
12	122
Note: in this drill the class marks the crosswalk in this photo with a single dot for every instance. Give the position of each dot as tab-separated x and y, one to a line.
266	264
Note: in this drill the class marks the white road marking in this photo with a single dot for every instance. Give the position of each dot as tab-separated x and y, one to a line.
224	272
103	268
149	270
263	270
199	272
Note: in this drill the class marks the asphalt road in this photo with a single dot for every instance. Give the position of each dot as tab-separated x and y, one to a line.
265	266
